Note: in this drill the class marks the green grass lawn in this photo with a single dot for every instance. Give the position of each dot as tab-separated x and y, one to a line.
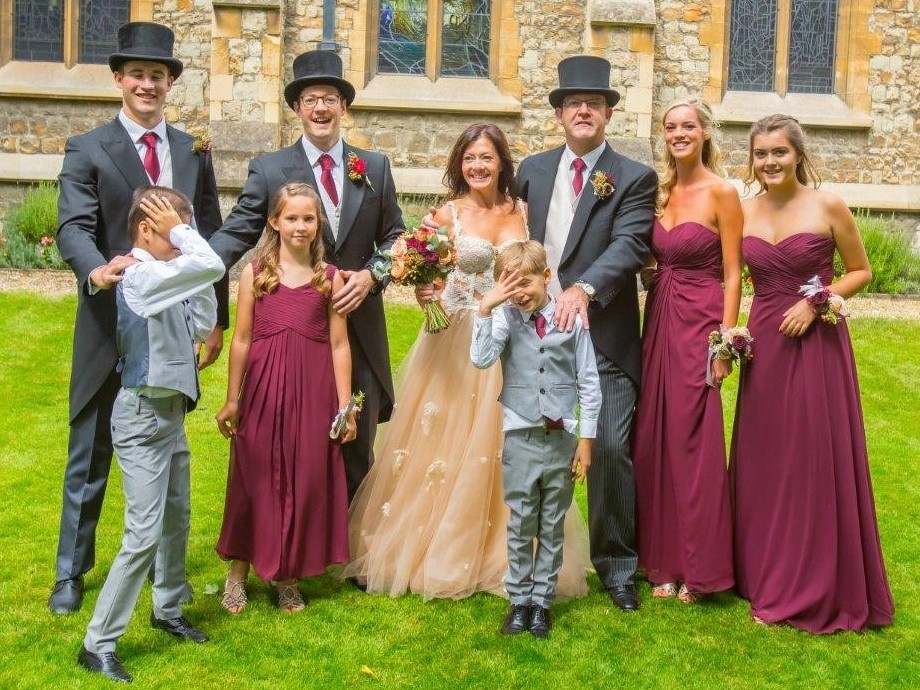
347	639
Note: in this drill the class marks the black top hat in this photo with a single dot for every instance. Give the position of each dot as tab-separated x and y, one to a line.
145	41
318	67
583	74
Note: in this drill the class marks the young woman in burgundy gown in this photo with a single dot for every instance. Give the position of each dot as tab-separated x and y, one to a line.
807	548
682	497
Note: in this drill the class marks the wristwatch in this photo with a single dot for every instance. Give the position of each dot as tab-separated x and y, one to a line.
587	288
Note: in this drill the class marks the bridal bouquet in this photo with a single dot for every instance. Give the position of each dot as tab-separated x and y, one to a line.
419	257
827	305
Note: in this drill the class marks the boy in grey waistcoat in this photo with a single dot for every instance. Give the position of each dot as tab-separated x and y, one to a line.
165	304
547	372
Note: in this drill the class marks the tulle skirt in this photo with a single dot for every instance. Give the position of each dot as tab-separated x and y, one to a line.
430	517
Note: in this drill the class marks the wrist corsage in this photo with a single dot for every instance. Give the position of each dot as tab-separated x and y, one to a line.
733	343
357	170
828	306
340	423
603	184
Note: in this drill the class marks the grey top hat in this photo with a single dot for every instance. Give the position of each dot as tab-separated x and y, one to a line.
318	67
145	41
583	74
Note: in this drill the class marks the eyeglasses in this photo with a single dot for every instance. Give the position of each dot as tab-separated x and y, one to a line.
576	103
330	101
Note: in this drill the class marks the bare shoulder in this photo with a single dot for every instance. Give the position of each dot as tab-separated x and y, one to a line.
723	191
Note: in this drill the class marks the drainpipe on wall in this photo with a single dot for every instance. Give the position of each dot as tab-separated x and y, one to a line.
328	42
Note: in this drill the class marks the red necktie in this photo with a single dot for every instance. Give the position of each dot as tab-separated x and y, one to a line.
539	323
326	163
151	161
578	181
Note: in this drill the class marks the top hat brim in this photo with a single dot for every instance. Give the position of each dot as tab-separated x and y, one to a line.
116	60
556	95
292	91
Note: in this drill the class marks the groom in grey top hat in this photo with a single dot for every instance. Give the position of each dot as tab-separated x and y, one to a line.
593	210
101	170
361	219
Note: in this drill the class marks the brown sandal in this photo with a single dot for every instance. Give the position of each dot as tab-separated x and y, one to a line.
289	599
665	590
688	597
234	599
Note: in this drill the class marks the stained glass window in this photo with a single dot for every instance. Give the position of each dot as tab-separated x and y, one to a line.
99	22
403	36
811	46
38	30
416	35
465	32
752	45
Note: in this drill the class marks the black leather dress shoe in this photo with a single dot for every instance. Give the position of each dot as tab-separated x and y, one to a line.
179	627
105	664
540	622
517	620
625	597
66	597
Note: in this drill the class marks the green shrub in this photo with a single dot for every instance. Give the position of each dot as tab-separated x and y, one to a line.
415	207
29	229
895	268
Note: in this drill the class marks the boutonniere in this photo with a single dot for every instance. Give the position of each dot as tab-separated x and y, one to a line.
202	142
357	170
603	184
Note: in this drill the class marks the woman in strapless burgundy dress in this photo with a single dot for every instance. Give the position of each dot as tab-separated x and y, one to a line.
807	548
682	497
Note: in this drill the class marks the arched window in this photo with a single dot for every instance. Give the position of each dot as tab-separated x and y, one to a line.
786	46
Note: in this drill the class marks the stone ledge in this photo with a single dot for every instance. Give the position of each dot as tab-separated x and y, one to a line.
80	82
812	110
26	168
873	197
448	95
622	13
252	4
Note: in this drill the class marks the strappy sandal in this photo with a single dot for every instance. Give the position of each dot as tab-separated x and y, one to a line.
665	590
688	597
289	599
234	599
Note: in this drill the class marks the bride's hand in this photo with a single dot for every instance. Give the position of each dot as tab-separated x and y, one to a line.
424	294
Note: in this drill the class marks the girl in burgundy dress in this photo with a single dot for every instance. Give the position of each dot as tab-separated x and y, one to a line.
682	499
286	510
807	549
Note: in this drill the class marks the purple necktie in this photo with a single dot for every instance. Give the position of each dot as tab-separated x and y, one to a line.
151	161
578	182
327	164
539	323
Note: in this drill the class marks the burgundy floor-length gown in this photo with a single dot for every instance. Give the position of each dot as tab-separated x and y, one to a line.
682	496
286	509
807	548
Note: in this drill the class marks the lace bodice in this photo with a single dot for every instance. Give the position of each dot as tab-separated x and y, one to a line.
472	277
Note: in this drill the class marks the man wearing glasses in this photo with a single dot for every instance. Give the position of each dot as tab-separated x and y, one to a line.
361	219
593	210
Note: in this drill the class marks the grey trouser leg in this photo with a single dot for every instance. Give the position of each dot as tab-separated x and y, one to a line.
152	451
611	482
536	473
359	454
89	456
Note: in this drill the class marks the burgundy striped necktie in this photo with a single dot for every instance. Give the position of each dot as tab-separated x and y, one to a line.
151	161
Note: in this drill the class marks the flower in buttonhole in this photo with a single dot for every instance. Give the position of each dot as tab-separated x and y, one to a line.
603	184
202	142
357	170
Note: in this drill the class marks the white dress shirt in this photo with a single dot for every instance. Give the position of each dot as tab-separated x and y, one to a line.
136	131
490	335
338	176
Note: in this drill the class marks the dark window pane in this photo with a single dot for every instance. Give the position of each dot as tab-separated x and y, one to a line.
752	45
811	46
465	32
99	20
38	30
403	34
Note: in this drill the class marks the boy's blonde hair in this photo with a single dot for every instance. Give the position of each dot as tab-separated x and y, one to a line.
136	214
528	257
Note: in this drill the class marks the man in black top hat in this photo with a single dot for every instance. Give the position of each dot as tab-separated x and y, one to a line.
101	170
361	219
593	210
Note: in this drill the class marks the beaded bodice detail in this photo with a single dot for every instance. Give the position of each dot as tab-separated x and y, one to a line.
472	276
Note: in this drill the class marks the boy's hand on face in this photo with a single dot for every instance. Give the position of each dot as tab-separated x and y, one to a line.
161	214
503	290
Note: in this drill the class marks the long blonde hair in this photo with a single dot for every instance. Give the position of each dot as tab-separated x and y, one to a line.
268	252
712	153
805	171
